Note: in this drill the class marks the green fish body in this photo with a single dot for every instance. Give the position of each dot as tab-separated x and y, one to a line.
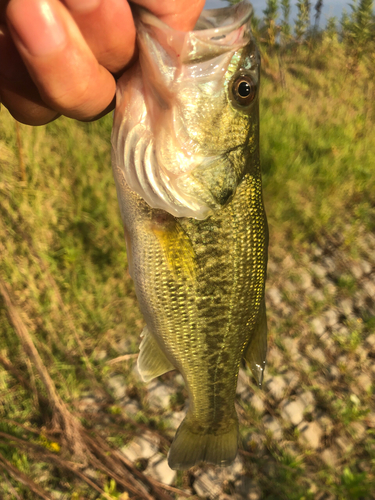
188	178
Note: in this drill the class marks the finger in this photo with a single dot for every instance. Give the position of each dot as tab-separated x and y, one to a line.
3	4
179	14
18	92
69	78
108	28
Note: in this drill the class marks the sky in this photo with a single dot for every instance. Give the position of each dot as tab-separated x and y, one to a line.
330	7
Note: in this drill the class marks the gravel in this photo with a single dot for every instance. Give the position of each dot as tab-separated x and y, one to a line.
315	366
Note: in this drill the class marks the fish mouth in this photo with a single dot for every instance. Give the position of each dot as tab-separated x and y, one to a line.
216	31
153	147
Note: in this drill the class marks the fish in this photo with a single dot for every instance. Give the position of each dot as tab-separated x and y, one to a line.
185	157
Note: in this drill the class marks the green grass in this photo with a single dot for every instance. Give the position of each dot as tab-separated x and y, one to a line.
63	254
317	145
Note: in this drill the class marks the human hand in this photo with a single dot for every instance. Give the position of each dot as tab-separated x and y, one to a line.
62	57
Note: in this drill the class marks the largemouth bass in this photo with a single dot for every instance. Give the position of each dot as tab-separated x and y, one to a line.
186	165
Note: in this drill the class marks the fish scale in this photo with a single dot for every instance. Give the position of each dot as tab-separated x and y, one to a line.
199	276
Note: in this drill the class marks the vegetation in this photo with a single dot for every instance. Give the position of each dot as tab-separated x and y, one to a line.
67	304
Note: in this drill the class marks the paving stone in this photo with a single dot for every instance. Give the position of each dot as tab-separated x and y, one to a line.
317	251
331	317
366	267
362	355
159	395
88	404
369	286
356	271
319	271
325	423
371	340
291	347
124	345
291	449
57	495
231	472
329	264
242	383
117	385
277	387
101	355
131	406
272	424
344	444
176	418
255	442
290	287
159	469
330	456
307	398
292	411
318	325
358	429
247	488
317	295
141	447
360	299
232	496
324	496
275	358
257	403
303	363
334	372
346	305
272	267
305	280
292	379
206	484
91	473
273	294
288	262
330	288
179	379
285	309
316	354
343	332
310	433
365	382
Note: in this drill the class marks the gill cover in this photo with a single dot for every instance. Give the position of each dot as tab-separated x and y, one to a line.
155	150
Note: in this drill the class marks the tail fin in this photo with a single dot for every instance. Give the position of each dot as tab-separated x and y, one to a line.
190	448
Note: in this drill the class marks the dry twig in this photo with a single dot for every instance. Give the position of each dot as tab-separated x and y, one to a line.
61	416
125	357
22	478
20	151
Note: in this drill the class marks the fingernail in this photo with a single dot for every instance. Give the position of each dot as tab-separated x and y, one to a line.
82	6
37	25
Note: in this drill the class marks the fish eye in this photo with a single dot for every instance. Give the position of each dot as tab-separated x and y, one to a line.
244	90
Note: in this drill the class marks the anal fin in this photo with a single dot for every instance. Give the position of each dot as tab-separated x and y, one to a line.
152	362
255	354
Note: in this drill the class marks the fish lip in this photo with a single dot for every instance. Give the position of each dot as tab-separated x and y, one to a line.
241	12
213	29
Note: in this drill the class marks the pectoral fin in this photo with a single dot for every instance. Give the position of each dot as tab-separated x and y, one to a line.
152	362
255	354
176	246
